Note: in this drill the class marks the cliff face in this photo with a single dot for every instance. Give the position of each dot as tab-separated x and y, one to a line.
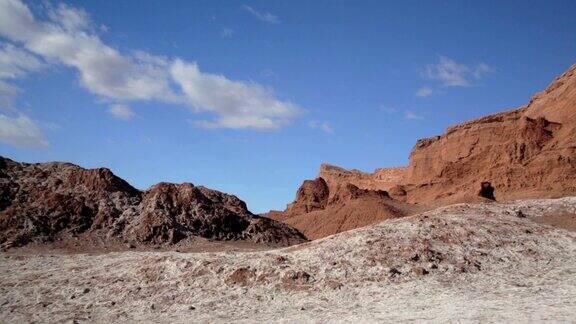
528	152
523	153
55	201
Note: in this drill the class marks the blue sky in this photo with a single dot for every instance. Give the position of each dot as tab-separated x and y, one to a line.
249	97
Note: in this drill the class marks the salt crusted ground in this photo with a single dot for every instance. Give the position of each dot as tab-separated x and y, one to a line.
483	262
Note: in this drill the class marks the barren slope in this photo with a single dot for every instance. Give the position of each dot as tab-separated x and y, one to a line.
483	262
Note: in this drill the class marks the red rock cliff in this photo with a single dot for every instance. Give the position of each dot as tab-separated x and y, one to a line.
523	153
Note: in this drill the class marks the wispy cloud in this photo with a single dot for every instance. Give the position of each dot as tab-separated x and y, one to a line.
389	110
67	37
325	126
121	112
264	16
227	32
424	92
411	115
453	74
481	69
407	114
21	131
15	63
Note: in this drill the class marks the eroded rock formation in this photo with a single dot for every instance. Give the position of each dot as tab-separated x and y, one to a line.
323	208
380	179
528	152
48	201
524	153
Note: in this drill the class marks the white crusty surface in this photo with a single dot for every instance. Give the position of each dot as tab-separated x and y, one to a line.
466	262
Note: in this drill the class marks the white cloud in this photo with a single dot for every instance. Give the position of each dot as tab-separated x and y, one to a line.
66	38
264	16
70	18
325	126
15	63
227	32
453	74
482	69
424	92
122	112
412	115
8	93
238	104
21	131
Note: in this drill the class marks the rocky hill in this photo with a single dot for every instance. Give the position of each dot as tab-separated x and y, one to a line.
47	202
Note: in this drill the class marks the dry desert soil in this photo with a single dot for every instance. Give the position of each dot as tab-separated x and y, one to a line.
485	262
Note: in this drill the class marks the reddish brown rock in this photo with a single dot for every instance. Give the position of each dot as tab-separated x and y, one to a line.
524	153
380	179
312	195
54	201
320	209
528	152
241	276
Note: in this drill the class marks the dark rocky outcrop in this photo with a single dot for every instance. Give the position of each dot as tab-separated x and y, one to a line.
48	201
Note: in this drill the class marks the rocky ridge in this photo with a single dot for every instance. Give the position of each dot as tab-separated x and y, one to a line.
45	202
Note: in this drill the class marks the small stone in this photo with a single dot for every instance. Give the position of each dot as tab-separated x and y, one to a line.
419	271
334	285
86	290
394	272
520	214
191	307
152	306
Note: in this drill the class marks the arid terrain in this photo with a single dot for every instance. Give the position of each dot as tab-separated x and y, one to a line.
419	157
464	262
84	245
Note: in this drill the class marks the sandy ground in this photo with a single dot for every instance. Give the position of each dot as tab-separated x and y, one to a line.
465	263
